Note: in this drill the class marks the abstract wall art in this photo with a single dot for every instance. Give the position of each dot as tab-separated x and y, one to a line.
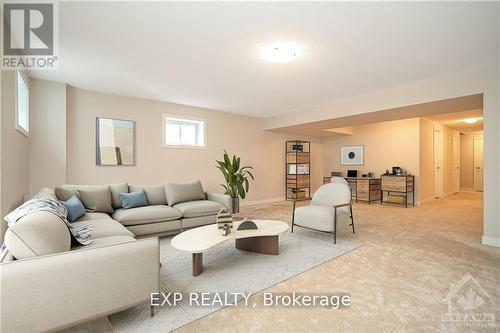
115	141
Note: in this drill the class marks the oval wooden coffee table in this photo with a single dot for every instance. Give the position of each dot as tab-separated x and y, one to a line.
262	240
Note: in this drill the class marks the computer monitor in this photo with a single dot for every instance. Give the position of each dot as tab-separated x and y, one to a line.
352	173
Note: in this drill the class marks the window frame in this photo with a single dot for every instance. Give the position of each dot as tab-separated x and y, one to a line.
181	146
22	130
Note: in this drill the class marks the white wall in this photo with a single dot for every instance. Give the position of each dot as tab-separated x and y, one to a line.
47	148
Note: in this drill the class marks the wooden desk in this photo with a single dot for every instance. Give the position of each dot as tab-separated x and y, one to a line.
366	189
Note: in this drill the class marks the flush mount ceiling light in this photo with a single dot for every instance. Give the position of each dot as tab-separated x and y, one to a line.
281	52
470	120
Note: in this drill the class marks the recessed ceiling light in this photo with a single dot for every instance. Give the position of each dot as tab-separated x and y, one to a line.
470	120
281	52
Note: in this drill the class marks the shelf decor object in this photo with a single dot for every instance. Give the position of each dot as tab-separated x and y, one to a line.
352	155
224	221
397	189
298	166
247	225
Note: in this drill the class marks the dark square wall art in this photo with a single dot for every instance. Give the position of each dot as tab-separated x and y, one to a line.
352	155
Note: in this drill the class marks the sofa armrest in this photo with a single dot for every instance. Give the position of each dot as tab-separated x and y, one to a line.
59	290
224	199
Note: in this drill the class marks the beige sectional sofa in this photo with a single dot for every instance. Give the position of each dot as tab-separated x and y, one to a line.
172	207
48	283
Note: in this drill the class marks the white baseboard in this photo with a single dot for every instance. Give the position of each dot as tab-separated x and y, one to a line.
491	241
447	194
244	203
425	200
467	189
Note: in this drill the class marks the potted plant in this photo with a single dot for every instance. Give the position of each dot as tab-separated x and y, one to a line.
237	183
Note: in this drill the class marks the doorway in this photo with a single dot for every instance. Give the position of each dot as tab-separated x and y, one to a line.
478	163
438	162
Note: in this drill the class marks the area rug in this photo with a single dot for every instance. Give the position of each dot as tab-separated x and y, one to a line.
227	269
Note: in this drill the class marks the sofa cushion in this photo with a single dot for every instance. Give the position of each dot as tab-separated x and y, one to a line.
193	222
37	234
116	189
105	228
133	199
155	228
89	216
154	193
64	194
147	214
97	200
46	193
183	192
199	208
104	241
75	208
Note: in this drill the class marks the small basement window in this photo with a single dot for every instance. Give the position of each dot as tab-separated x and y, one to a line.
22	114
183	132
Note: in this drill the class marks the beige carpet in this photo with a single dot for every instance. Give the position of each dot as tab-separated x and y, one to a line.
398	279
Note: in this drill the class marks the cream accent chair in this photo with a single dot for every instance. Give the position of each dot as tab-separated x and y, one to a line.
330	204
339	180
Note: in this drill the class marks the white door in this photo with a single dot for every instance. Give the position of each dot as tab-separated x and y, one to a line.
478	163
438	163
456	162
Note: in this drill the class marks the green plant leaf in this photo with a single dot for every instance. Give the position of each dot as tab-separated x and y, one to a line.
237	164
226	159
250	174
241	190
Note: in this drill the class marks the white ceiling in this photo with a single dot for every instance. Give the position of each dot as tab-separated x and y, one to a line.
206	54
455	120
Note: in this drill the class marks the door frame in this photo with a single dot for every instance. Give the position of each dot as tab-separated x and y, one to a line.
478	136
440	186
455	168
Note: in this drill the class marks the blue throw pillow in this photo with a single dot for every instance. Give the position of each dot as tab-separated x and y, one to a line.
74	207
133	199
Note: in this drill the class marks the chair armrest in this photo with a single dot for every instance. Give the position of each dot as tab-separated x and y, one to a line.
55	291
342	205
224	199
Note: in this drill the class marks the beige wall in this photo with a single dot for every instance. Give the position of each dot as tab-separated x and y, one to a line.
387	144
47	149
467	160
427	158
238	134
426	182
14	148
464	82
